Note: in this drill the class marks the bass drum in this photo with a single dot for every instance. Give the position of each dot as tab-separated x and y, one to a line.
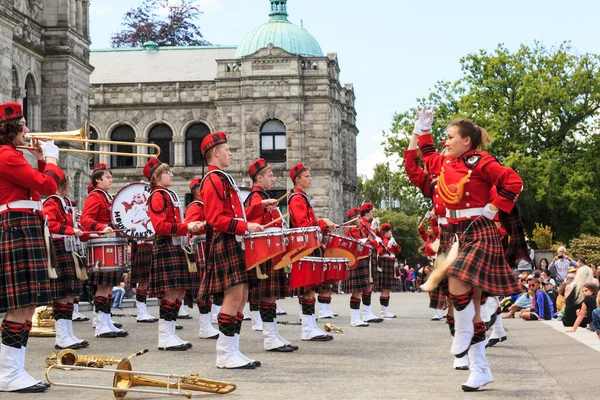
130	212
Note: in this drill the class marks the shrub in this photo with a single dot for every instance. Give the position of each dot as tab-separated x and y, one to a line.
542	236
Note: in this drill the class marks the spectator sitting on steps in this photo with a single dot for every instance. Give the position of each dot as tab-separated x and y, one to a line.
542	308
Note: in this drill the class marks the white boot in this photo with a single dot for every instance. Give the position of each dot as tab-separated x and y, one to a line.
310	331
12	374
323	312
480	371
385	312
463	330
237	349
498	334
368	315
94	318
120	332
333	315
257	324
461	364
279	311
167	340
216	310
63	340
227	355
284	340
143	315
271	340
77	316
103	328
182	314
207	331
82	343
246	312
438	315
355	319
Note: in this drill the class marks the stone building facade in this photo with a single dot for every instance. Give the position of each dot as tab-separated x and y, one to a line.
284	104
44	64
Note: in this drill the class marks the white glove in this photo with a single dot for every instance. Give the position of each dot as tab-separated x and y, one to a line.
428	214
417	128
375	223
425	117
488	213
49	149
391	241
378	240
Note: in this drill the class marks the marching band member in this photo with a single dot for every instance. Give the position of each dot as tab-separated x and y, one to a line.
431	237
386	279
302	215
195	212
24	257
466	176
225	263
96	217
358	279
275	286
60	213
364	226
170	276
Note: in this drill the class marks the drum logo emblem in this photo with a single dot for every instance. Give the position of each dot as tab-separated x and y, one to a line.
130	212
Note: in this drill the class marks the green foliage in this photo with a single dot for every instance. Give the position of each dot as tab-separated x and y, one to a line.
540	105
404	231
586	246
542	236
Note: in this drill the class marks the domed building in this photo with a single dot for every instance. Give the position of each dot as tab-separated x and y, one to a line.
276	95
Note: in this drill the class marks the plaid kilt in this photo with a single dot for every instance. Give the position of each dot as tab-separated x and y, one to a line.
141	262
169	268
105	278
358	280
225	264
276	285
67	283
438	297
23	262
480	261
386	279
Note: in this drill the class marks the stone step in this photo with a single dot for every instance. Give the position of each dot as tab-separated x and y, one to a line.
126	303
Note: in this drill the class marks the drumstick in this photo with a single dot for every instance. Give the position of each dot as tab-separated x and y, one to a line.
276	220
283	197
348	222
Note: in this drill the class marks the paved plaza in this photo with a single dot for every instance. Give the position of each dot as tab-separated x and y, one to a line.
405	358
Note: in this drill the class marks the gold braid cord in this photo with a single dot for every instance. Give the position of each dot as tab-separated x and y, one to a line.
449	196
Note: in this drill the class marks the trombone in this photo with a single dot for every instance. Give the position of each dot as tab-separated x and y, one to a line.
81	136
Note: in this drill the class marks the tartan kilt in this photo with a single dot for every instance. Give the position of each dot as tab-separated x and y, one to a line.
386	279
169	268
446	240
480	261
276	285
225	265
438	297
141	262
67	283
358	280
105	278
23	262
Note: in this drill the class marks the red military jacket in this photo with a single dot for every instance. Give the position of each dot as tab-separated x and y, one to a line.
417	175
163	210
429	239
20	181
364	228
96	214
60	219
302	214
195	213
222	205
254	199
394	248
485	170
353	232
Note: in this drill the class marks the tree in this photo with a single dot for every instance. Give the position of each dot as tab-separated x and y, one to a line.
404	231
541	107
143	24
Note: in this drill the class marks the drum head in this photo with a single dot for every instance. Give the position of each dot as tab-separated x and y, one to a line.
244	193
129	211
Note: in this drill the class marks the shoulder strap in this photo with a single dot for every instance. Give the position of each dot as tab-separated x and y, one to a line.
264	195
195	202
104	194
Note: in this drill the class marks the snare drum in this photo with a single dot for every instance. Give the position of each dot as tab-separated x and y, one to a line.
260	247
336	269
198	245
300	242
107	255
339	246
308	272
363	250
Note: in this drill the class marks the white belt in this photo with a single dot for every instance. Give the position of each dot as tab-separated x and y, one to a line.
466	213
388	257
442	221
57	236
33	205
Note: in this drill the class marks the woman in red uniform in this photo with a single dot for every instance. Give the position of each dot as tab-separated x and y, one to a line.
302	215
386	279
60	211
195	212
275	286
24	253
170	276
466	176
96	217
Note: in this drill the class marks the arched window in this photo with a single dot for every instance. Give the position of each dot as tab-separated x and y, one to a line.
93	146
15	83
29	100
162	136
272	141
193	138
123	133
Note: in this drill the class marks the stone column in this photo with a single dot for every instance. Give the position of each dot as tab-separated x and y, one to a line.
18	94
86	18
105	158
141	161
36	111
178	151
72	14
79	14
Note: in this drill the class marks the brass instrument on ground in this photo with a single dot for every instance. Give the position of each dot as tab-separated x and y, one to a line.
329	327
70	357
43	322
81	136
125	379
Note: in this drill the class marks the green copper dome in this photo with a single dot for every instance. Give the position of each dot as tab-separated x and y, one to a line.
281	33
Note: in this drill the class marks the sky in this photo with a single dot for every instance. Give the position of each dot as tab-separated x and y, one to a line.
392	51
